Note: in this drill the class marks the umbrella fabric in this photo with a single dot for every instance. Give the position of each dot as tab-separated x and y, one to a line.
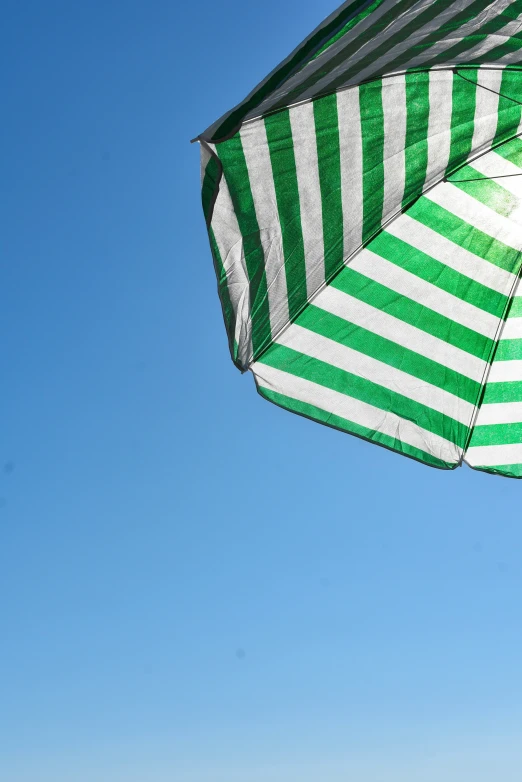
364	209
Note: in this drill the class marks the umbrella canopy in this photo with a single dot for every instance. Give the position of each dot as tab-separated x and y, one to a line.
364	209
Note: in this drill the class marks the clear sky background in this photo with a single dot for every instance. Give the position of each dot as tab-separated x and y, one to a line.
196	586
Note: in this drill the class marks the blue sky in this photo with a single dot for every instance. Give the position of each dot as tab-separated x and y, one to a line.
194	584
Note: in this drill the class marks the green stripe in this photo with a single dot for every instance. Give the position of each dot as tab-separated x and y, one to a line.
208	190
297	60
465	235
491	26
509	112
416	144
346	20
348	51
372	131
427	268
336	422
418	21
236	173
509	350
448	56
279	135
508	470
485	190
389	352
210	185
347	27
409	311
303	366
329	161
505	391
497	434
462	119
513	44
512	150
452	26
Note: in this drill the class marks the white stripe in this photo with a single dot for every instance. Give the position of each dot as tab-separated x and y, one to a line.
394	109
379	66
476	214
358	412
378	322
444	250
205	158
349	360
439	124
494	455
408	284
513	58
493	165
491	42
512	329
500	413
375	43
505	371
350	141
305	151
456	36
486	109
230	245
321	62
257	157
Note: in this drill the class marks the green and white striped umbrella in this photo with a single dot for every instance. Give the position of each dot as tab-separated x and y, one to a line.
364	209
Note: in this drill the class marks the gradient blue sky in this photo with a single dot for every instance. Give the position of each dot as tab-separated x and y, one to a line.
196	586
